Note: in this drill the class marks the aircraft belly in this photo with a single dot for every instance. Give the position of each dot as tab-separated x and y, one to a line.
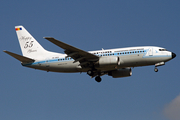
140	60
66	67
132	61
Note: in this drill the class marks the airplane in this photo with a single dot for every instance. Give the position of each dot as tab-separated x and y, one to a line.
113	62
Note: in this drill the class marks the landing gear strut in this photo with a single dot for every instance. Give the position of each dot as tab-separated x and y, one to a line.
157	65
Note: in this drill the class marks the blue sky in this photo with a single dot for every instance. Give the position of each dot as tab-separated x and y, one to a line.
91	25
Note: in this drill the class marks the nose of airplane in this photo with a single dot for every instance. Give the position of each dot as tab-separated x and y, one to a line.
173	55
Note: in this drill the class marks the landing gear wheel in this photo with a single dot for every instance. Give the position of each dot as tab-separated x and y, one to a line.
90	72
155	69
98	79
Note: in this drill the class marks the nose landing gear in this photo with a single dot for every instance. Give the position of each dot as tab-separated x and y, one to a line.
157	65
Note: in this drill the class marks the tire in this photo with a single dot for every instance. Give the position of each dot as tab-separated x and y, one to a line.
98	79
155	69
90	73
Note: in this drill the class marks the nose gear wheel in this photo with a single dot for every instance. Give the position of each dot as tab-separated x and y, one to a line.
155	69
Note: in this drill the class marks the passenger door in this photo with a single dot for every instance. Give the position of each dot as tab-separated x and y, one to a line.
150	52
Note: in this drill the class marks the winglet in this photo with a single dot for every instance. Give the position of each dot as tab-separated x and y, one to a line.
19	57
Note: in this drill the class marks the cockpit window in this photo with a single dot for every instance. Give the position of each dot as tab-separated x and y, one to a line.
162	50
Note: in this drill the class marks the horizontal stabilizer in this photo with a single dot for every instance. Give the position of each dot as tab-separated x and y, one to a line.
19	57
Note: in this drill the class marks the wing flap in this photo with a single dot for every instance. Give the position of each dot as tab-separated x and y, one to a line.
19	57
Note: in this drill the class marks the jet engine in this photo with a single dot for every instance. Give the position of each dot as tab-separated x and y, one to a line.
126	72
108	61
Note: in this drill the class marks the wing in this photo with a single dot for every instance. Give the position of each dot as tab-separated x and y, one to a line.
85	58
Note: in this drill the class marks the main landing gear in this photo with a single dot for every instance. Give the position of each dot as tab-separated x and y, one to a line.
98	79
92	73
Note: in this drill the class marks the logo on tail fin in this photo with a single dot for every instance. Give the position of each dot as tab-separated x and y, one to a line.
17	29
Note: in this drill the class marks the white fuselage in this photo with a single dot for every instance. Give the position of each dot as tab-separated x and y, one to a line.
129	57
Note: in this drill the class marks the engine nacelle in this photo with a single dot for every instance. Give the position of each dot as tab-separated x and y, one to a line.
109	61
126	72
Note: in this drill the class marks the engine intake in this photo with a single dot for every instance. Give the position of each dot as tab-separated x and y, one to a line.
126	72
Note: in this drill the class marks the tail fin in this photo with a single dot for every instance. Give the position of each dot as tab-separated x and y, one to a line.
29	46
